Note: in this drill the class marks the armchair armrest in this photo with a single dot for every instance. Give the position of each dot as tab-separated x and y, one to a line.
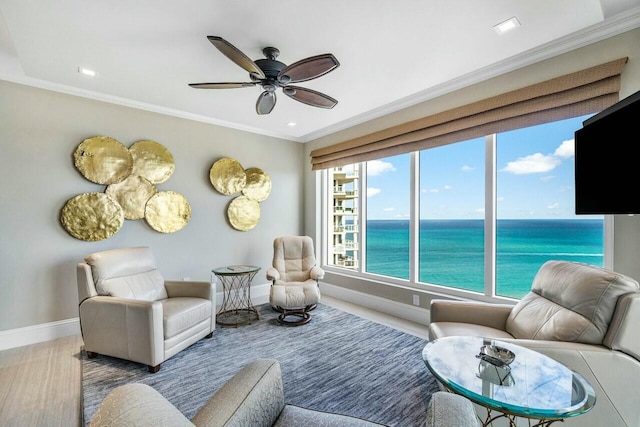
124	328
478	313
137	403
176	288
272	274
253	396
316	273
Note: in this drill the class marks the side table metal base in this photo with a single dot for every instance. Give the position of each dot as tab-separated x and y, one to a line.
237	317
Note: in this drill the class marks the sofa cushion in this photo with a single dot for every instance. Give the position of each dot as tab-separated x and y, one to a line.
569	301
127	273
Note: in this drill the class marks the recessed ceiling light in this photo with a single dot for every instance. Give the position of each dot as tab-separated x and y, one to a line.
87	71
508	25
292	124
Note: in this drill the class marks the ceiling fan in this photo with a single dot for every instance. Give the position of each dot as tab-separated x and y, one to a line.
272	74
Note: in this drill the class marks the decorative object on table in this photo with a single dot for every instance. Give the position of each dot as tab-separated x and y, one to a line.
272	74
236	308
496	355
92	216
131	175
229	178
353	363
294	277
127	310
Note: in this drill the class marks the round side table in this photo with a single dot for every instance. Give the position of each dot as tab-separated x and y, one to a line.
236	308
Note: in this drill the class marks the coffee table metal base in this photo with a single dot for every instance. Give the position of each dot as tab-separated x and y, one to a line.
512	419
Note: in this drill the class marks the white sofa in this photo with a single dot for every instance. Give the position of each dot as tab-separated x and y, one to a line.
586	317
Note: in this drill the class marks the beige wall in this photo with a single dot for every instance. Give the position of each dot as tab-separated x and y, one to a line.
39	131
627	229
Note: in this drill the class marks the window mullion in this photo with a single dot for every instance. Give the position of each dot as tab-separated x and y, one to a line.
414	219
490	216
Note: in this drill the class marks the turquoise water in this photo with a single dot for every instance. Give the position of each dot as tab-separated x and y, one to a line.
452	251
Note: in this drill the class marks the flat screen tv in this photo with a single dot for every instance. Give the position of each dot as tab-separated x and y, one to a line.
607	166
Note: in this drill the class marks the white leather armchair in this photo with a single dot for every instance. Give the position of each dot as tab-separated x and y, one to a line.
586	317
127	310
294	276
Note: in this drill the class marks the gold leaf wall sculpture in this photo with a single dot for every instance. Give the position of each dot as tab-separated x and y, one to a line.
131	175
229	177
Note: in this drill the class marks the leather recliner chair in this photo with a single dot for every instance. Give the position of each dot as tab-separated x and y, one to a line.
127	310
294	278
586	317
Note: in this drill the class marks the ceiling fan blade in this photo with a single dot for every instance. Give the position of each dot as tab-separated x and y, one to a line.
308	69
310	97
221	85
266	102
234	54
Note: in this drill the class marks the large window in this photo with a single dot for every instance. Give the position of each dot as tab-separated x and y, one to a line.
451	233
481	215
535	206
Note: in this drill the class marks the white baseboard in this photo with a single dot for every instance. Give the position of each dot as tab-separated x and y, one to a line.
393	308
19	337
259	295
39	333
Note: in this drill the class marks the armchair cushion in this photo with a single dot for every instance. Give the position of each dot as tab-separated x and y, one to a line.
570	302
181	313
130	274
296	294
450	410
293	257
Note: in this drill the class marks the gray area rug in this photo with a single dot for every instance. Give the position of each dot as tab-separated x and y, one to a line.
338	362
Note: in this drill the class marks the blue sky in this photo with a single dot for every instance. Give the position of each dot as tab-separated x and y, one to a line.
535	177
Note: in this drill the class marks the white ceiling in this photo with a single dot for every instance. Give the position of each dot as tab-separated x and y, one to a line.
392	54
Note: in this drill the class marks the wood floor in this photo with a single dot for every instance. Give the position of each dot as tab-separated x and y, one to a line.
40	384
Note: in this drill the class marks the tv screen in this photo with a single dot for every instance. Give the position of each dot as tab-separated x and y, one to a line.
607	167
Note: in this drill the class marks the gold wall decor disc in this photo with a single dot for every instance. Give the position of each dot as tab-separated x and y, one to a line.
243	213
152	161
167	212
258	185
228	176
132	194
103	160
92	216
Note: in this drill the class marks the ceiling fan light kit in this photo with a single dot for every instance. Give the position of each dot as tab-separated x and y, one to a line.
271	74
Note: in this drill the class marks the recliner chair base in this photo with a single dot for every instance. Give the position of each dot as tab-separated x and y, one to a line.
301	313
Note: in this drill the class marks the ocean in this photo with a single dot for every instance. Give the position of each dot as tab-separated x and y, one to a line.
452	251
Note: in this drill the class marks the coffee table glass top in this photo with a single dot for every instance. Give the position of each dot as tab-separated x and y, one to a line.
533	385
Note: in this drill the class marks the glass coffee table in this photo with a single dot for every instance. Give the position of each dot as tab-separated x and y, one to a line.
532	386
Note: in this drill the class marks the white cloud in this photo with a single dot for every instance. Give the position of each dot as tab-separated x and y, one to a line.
467	168
554	206
448	187
547	178
534	163
500	199
372	191
377	167
389	209
434	190
480	210
566	149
